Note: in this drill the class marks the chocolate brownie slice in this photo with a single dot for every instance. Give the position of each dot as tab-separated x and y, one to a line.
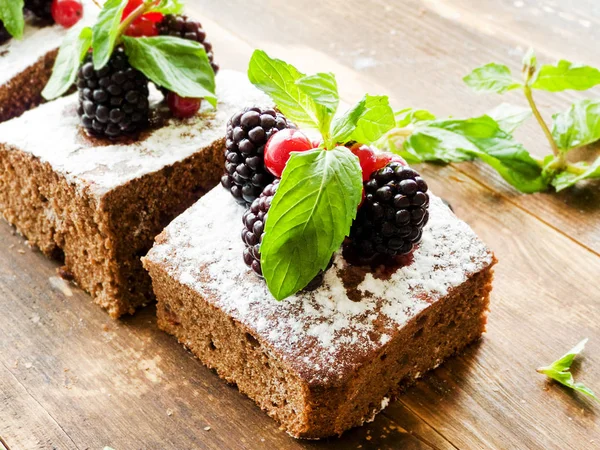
319	362
26	64
99	204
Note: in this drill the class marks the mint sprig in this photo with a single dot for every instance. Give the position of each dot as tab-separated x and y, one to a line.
178	64
11	15
71	54
320	190
419	137
310	216
559	371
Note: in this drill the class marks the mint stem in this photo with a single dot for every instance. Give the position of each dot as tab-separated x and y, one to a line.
135	14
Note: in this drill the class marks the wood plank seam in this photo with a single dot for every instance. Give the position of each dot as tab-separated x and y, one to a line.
425	422
517	205
39	404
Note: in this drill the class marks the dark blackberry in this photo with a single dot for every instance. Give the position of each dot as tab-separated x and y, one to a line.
393	214
4	34
113	101
40	8
254	220
247	133
181	26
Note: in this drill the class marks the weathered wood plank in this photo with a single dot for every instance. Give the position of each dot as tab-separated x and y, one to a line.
85	380
418	52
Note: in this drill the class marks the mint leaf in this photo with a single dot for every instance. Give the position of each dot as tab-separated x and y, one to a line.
180	65
310	216
510	117
168	7
71	54
559	371
322	87
105	31
578	126
366	122
11	15
567	179
529	60
411	116
566	75
491	78
278	80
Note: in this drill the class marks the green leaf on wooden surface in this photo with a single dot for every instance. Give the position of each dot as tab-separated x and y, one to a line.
365	122
71	54
567	179
106	30
492	77
180	65
11	15
578	126
559	371
309	218
510	117
566	75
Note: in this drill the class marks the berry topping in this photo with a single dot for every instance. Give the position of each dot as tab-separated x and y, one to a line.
247	133
145	25
279	147
4	34
183	27
67	12
254	220
40	8
370	160
113	101
393	214
182	107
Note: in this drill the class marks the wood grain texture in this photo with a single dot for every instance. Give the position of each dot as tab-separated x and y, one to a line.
72	378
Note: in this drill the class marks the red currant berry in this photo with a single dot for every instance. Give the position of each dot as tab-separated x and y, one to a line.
142	27
383	158
367	159
183	107
131	6
279	147
66	12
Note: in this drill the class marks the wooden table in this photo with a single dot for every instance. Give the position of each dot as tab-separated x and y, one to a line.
72	378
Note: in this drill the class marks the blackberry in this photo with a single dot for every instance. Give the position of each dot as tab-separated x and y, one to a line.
113	101
181	26
393	214
4	34
40	8
247	133
254	220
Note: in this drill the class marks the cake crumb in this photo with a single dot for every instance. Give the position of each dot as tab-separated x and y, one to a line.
169	412
65	273
21	251
206	428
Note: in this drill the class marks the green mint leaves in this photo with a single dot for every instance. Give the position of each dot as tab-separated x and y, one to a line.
177	64
106	31
320	190
310	216
11	15
559	371
180	65
71	54
418	136
491	78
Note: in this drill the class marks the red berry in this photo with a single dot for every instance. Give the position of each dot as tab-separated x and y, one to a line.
66	12
183	107
130	7
142	27
279	147
370	160
382	159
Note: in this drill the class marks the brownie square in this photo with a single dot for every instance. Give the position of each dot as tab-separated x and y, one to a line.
98	204
26	64
319	362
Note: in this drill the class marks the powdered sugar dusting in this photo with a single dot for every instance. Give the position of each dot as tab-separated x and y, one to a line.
322	334
57	138
16	55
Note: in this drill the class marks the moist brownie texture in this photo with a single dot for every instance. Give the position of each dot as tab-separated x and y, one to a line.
319	362
26	64
98	205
